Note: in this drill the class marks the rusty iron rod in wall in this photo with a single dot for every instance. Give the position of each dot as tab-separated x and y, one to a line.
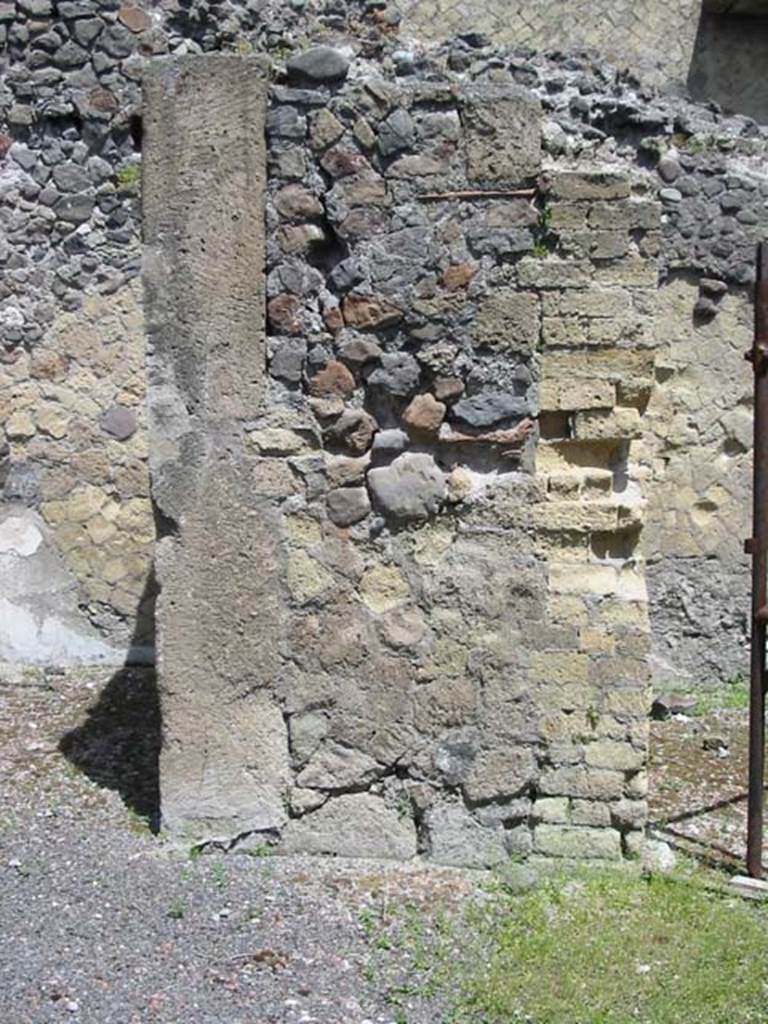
758	548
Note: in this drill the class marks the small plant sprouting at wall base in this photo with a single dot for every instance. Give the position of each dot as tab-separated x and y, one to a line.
262	850
129	178
139	824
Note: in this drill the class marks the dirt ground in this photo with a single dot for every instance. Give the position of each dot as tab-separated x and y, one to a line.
698	785
101	922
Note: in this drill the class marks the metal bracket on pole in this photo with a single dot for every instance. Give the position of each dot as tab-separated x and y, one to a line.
757	546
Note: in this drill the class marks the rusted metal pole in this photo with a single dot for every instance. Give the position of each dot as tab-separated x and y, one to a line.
759	551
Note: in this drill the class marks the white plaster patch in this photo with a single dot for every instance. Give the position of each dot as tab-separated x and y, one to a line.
19	536
24	638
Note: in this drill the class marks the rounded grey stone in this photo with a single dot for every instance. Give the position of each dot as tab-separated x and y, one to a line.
320	64
705	307
668	168
411	487
670	195
711	286
119	422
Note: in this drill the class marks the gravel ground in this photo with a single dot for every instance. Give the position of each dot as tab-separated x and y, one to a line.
102	922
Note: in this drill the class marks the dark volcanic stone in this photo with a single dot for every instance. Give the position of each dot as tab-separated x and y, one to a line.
357	351
75	208
70	55
668	704
396	133
398	374
489	407
287	360
22	483
70	177
320	64
347	274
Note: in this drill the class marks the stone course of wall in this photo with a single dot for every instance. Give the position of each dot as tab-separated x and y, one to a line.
71	224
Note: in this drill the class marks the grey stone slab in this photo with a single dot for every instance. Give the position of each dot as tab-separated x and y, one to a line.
224	763
503	133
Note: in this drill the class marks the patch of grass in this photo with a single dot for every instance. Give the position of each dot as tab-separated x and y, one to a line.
415	953
259	852
732	695
614	948
219	875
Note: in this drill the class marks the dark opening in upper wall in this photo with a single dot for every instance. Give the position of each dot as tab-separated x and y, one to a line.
729	56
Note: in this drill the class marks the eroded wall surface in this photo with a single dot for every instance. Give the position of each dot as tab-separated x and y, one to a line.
700	497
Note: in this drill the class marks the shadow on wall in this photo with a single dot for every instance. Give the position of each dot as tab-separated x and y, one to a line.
118	746
730	55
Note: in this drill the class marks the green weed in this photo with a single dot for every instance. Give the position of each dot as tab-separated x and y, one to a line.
177	909
219	875
732	695
129	178
139	824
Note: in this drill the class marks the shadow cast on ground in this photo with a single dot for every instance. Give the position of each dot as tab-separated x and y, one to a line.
118	745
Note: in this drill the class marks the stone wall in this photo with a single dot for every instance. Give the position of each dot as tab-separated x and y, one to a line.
402	605
73	456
